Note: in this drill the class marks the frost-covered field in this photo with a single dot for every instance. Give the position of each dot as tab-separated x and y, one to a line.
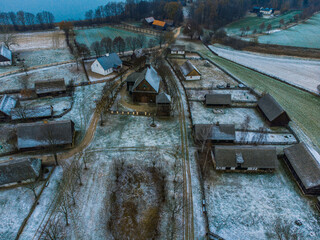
236	95
299	72
248	206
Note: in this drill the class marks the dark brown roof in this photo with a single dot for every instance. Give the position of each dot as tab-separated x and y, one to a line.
218	99
44	134
247	156
19	170
304	164
270	107
178	48
222	132
50	86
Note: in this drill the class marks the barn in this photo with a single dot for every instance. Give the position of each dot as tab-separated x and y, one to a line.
304	167
245	158
5	56
218	99
163	102
7	104
178	49
189	71
18	170
272	111
45	134
222	133
146	86
107	64
50	87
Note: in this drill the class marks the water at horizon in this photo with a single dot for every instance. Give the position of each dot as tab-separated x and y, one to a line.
61	9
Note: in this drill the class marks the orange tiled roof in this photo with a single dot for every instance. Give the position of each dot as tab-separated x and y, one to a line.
159	23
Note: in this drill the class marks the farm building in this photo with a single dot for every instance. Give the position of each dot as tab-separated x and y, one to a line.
272	111
304	167
247	158
146	86
178	49
218	99
163	102
45	134
18	170
160	25
222	133
21	113
6	105
5	56
189	71
266	11
149	20
107	64
50	87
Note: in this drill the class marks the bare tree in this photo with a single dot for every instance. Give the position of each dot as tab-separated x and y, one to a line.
54	230
245	127
33	187
161	39
8	38
96	47
64	206
106	44
141	40
76	168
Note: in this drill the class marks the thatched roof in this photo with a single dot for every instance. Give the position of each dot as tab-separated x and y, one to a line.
270	107
163	98
151	76
7	103
19	170
50	86
178	47
31	112
44	134
188	67
218	99
222	132
304	164
247	156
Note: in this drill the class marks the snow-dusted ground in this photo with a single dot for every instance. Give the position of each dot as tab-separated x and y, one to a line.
299	72
267	138
7	138
236	95
247	206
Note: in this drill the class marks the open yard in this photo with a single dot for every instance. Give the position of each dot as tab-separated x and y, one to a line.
299	72
237	95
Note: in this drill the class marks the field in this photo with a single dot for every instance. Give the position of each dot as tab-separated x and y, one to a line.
299	72
90	35
255	22
303	35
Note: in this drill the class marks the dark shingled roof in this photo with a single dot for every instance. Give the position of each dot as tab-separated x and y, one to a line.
7	104
31	112
110	61
304	164
50	86
19	170
133	77
222	132
44	134
247	156
178	48
187	68
163	98
5	54
218	99
270	107
151	76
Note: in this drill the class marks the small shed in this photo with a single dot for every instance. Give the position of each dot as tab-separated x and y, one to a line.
107	64
218	99
304	167
163	102
18	170
5	56
6	105
23	113
222	133
45	134
50	87
160	25
272	111
189	71
178	49
149	20
248	158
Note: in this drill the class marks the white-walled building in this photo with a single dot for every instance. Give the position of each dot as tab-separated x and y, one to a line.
5	56
107	64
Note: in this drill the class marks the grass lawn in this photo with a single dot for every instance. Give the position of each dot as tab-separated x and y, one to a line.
302	107
255	22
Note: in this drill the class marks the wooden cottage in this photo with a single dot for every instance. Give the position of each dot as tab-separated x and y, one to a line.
45	134
24	113
146	86
160	25
245	158
189	71
218	99
163	102
18	170
7	104
5	56
222	133
272	111
50	87
107	64
178	49
304	167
